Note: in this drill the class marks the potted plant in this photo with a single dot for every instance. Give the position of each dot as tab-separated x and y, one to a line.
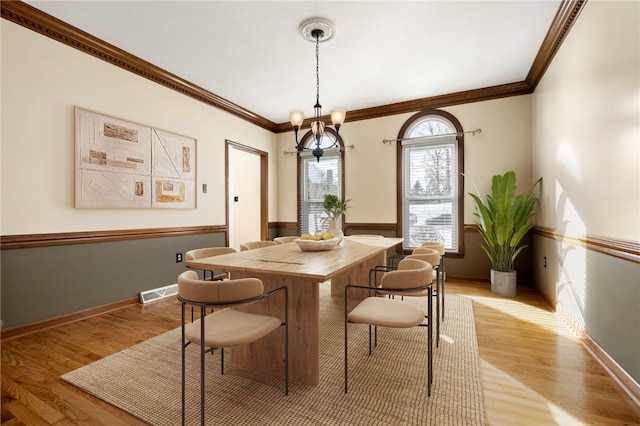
334	207
503	220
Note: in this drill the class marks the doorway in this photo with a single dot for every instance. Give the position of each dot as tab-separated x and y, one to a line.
246	194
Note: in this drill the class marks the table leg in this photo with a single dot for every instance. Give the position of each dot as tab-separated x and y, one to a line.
304	330
357	274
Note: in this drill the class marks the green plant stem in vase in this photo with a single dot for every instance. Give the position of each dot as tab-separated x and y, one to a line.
334	207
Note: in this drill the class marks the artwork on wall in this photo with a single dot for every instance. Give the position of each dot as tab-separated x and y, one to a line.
126	165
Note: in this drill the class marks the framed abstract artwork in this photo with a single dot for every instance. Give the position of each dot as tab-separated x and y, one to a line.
120	164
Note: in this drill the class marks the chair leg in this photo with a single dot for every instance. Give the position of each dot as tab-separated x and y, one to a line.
221	360
203	350
286	341
375	331
346	322
430	342
438	295
183	369
442	279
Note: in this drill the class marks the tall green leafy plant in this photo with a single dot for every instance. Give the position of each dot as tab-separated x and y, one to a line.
503	220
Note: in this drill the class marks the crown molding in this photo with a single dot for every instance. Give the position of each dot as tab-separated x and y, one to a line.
562	23
49	26
42	23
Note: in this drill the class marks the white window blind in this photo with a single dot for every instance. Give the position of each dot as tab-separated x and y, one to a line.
430	182
318	178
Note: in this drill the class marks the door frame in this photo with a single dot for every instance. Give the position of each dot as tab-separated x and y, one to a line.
264	187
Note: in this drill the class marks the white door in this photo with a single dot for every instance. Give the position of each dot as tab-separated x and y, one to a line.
244	197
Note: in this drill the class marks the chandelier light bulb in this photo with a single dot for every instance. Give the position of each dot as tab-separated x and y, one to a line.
337	116
296	118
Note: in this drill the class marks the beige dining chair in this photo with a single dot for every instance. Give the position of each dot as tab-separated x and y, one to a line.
416	276
432	257
226	327
201	253
250	245
438	245
284	240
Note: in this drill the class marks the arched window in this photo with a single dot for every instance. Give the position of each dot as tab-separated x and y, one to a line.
316	178
430	187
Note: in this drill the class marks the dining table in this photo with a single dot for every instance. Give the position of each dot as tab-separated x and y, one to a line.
301	272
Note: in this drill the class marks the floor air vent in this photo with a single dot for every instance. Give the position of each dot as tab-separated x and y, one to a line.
158	293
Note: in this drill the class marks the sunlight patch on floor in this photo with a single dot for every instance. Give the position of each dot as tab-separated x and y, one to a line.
512	399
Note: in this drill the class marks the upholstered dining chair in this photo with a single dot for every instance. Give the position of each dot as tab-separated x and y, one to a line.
432	257
375	311
201	253
438	245
284	240
226	327
250	245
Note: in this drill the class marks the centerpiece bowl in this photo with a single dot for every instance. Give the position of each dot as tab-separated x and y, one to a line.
317	245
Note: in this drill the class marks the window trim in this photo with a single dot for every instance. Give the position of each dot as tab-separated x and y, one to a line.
400	172
304	142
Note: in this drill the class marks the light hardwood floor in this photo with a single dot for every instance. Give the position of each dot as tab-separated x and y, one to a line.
534	371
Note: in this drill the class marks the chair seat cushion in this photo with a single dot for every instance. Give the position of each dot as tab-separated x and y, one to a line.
228	327
386	313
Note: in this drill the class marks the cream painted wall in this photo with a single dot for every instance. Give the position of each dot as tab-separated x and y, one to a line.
587	126
42	80
586	144
504	144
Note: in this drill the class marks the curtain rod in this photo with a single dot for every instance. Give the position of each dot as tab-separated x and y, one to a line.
473	133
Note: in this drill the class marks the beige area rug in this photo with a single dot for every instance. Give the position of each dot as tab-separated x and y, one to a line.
388	388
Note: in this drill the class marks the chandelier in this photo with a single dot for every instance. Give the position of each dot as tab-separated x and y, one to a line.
317	29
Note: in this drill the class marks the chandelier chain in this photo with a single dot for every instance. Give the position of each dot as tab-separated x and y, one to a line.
318	69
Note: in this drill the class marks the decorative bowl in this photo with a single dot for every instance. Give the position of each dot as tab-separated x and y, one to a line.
317	245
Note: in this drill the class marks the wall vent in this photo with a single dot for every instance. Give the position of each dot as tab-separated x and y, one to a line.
158	293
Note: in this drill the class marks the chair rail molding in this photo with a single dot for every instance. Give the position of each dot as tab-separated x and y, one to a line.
623	249
8	242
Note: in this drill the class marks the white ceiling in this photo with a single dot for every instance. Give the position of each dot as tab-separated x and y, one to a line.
252	54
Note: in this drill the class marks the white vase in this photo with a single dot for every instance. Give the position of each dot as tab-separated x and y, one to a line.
335	229
504	283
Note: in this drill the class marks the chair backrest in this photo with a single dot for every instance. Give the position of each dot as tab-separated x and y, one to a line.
207	252
436	245
193	289
414	274
431	256
284	240
250	245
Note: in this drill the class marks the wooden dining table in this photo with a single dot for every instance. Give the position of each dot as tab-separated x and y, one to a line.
302	273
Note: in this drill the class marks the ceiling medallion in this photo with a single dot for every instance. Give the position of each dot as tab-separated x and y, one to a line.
327	27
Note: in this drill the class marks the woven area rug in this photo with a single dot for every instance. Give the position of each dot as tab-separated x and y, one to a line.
387	388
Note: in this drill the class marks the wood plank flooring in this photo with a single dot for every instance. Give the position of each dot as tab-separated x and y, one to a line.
534	371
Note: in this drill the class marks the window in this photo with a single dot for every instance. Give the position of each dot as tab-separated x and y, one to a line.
316	178
430	187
